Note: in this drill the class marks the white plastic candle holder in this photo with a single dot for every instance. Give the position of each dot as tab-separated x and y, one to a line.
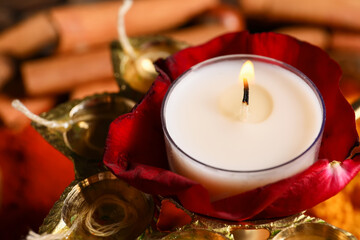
200	151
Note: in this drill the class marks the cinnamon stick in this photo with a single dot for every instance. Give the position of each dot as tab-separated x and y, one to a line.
230	17
59	74
314	35
27	37
222	19
346	41
99	86
6	70
328	12
197	34
91	24
349	62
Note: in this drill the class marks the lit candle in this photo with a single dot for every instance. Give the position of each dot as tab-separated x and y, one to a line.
234	101
207	142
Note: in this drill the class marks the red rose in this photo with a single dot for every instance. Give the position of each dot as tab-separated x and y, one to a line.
135	149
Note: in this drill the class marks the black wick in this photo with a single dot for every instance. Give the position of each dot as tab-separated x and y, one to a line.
246	92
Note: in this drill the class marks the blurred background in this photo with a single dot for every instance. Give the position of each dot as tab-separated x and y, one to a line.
52	51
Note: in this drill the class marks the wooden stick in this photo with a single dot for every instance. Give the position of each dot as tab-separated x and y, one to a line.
59	74
91	24
346	41
6	70
226	19
99	86
328	12
197	34
29	36
314	35
349	62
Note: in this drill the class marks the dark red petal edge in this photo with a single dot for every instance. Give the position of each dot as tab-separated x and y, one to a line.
322	181
171	216
135	146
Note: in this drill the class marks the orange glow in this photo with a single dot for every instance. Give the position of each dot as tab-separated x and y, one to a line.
247	72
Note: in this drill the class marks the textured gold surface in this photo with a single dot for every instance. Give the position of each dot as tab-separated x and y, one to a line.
134	77
202	226
91	189
299	226
257	230
83	142
314	231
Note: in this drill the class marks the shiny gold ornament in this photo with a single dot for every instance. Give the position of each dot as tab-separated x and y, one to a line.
88	122
199	234
314	231
136	74
298	226
103	207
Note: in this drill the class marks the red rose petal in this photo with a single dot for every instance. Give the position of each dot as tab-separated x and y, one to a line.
136	153
321	181
171	216
128	132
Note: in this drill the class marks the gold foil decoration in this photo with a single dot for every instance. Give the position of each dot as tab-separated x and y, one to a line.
314	231
135	75
199	234
104	207
89	119
203	227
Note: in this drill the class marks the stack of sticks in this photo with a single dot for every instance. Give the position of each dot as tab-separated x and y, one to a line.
76	39
330	24
79	36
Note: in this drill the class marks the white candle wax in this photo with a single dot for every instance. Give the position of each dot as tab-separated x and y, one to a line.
229	156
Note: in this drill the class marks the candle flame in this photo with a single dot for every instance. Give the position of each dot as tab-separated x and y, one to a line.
247	72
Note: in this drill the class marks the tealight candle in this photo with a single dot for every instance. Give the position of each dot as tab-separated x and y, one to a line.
212	139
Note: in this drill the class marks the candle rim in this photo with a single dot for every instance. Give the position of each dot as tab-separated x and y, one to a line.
263	59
